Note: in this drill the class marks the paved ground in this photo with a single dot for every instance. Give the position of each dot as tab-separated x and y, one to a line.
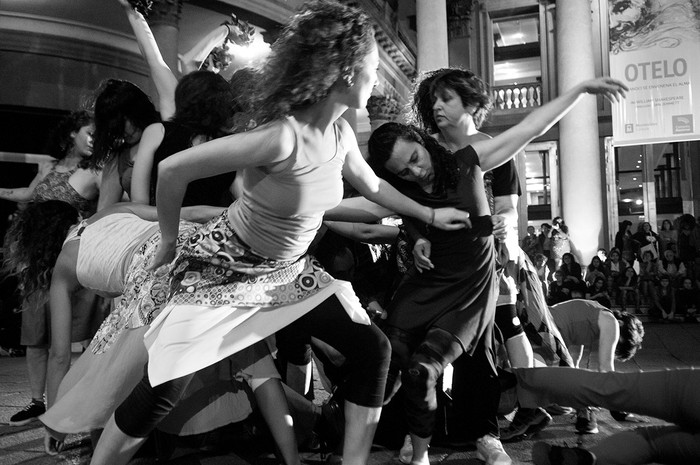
665	346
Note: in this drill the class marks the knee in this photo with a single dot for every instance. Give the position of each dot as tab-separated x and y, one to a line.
420	377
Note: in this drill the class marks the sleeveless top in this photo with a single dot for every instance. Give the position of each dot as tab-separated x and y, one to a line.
102	264
283	204
207	191
577	320
55	186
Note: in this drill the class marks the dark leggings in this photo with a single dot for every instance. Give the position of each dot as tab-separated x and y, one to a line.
416	364
507	322
365	348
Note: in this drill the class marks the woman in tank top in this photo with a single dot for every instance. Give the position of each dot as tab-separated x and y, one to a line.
251	262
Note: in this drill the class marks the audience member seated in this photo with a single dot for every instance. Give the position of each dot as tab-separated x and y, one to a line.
648	275
647	239
595	270
668	236
615	264
665	302
688	302
559	291
672	267
628	284
599	292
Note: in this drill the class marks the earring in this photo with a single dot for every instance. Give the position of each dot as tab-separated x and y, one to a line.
348	80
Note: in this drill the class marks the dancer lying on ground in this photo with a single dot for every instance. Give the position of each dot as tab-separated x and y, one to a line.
460	283
233	282
670	395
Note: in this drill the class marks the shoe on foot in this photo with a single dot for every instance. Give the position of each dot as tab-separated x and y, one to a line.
586	422
556	409
526	422
28	414
406	452
546	454
490	450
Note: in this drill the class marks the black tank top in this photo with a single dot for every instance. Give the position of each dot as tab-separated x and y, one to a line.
207	191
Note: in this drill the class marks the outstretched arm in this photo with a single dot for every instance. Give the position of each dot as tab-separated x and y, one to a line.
494	152
25	194
357	209
362	232
163	77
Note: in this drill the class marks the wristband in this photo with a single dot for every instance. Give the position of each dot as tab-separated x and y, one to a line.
432	217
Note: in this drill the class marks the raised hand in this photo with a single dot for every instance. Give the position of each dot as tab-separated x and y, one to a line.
610	88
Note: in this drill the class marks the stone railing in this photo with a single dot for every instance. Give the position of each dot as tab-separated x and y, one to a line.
526	95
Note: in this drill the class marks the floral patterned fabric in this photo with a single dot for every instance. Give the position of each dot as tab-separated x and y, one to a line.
144	293
215	268
55	186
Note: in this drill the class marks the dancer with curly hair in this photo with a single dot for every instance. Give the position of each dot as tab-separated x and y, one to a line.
446	310
245	275
67	178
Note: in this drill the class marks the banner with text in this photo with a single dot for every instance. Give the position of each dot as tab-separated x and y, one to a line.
655	50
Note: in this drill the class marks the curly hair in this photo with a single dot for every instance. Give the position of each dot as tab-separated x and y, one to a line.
32	244
61	142
204	102
472	91
381	145
325	41
631	335
116	102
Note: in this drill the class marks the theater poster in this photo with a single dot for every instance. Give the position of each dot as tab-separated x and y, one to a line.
655	50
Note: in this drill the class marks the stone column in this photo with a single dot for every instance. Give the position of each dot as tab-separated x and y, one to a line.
431	25
164	19
580	166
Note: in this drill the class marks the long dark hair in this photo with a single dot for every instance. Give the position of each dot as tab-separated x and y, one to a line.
61	142
204	102
324	42
32	245
381	145
118	101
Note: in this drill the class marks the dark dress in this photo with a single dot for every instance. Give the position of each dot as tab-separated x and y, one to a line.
207	191
459	294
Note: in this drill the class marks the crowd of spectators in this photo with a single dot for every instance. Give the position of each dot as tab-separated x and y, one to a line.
658	271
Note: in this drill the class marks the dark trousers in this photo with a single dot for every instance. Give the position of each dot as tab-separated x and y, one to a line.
365	348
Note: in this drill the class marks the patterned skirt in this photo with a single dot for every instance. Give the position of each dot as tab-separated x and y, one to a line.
225	297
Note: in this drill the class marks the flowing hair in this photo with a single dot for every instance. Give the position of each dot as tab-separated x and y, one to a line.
381	146
324	42
32	245
61	141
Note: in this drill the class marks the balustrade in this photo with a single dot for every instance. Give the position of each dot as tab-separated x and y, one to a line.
527	95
